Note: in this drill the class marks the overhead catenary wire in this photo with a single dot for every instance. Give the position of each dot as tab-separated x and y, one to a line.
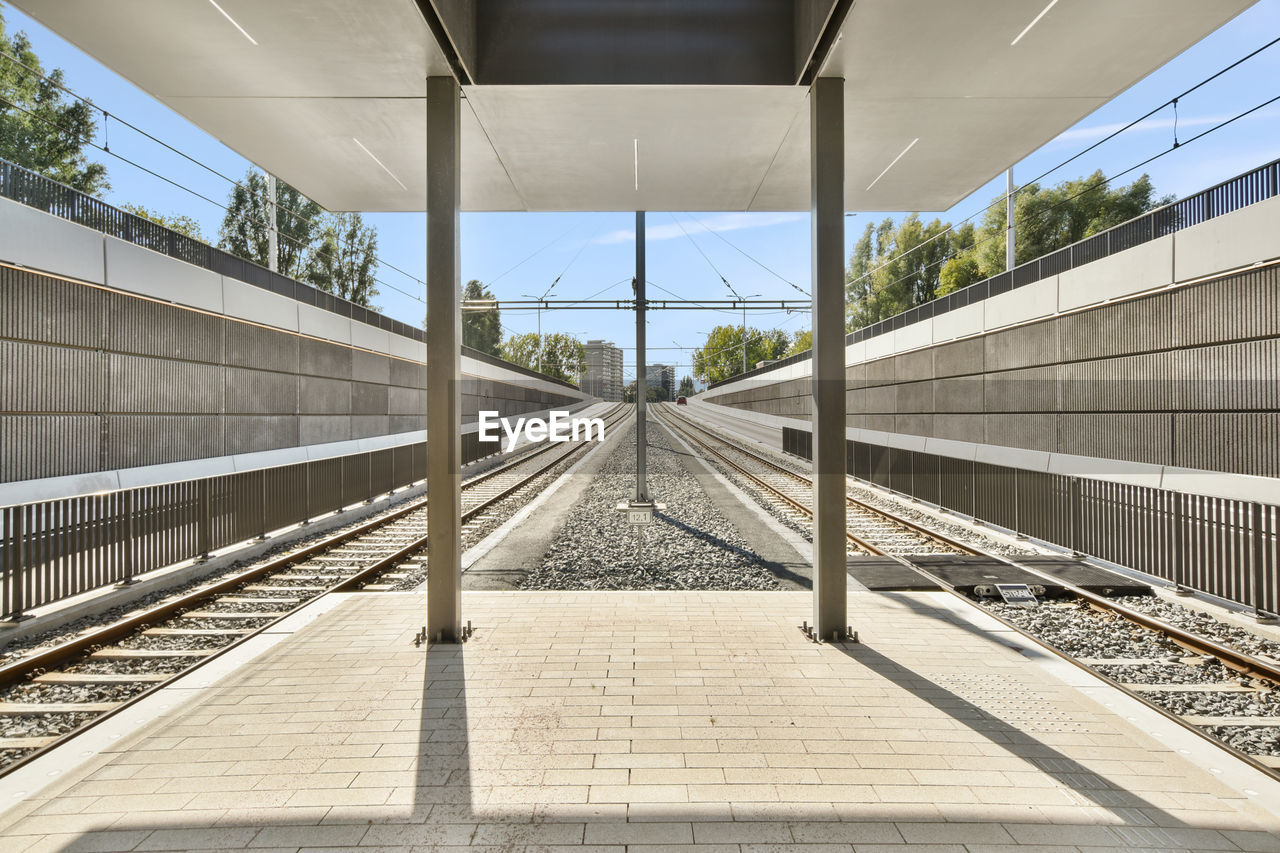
530	256
172	182
1077	155
749	257
714	268
106	148
1085	191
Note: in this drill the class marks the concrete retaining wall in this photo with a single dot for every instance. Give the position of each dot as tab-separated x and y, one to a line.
1167	355
119	359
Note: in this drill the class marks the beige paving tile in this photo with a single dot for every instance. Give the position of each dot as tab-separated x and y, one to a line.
646	832
590	721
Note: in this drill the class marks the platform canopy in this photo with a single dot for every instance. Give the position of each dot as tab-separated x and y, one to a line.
634	104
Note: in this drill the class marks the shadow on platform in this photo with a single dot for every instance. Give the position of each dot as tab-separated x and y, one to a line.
581	722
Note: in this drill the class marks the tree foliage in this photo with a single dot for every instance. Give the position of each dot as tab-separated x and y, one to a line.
182	224
41	127
245	228
335	252
481	330
720	357
686	387
800	342
886	277
651	395
1045	220
563	356
894	267
344	258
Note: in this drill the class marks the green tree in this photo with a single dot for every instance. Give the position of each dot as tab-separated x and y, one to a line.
522	350
652	394
244	228
686	387
894	267
721	356
344	258
182	224
563	356
800	342
1045	220
963	268
41	128
481	330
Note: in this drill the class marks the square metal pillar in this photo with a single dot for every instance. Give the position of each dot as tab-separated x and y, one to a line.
444	361
826	116
642	371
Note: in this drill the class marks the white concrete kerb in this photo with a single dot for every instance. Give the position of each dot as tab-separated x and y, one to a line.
131	723
1247	780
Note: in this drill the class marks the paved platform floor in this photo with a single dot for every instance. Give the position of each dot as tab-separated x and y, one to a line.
646	722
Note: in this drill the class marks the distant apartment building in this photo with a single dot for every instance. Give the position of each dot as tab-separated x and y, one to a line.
662	376
604	371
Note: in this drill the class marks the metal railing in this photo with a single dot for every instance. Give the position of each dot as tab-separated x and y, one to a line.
1243	190
52	550
1223	547
34	190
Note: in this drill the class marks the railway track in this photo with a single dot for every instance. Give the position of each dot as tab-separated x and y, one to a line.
54	694
870	530
1166	667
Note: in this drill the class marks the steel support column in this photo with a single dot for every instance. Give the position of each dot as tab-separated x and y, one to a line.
642	380
1010	239
826	132
444	362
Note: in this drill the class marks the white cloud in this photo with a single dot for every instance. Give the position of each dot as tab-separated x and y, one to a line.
1184	123
719	222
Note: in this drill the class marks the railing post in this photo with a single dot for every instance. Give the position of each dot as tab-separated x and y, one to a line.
204	520
127	508
973	490
18	565
1075	505
262	491
1257	584
1017	504
1179	545
306	494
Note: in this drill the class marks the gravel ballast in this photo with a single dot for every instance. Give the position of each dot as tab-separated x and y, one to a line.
1203	624
689	546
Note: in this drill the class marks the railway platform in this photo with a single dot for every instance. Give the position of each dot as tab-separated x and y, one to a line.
641	721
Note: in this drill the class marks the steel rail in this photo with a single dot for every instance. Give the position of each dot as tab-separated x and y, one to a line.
16	670
1231	658
79	646
800	478
468	514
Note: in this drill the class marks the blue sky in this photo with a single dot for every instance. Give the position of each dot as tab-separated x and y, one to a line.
590	252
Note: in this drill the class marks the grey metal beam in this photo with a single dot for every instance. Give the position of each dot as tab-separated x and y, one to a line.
444	361
642	384
633	42
826	116
1010	240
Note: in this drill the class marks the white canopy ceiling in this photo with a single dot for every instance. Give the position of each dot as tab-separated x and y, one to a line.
329	96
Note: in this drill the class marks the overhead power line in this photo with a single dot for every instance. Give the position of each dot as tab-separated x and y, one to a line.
1001	200
1086	190
749	257
184	188
106	148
